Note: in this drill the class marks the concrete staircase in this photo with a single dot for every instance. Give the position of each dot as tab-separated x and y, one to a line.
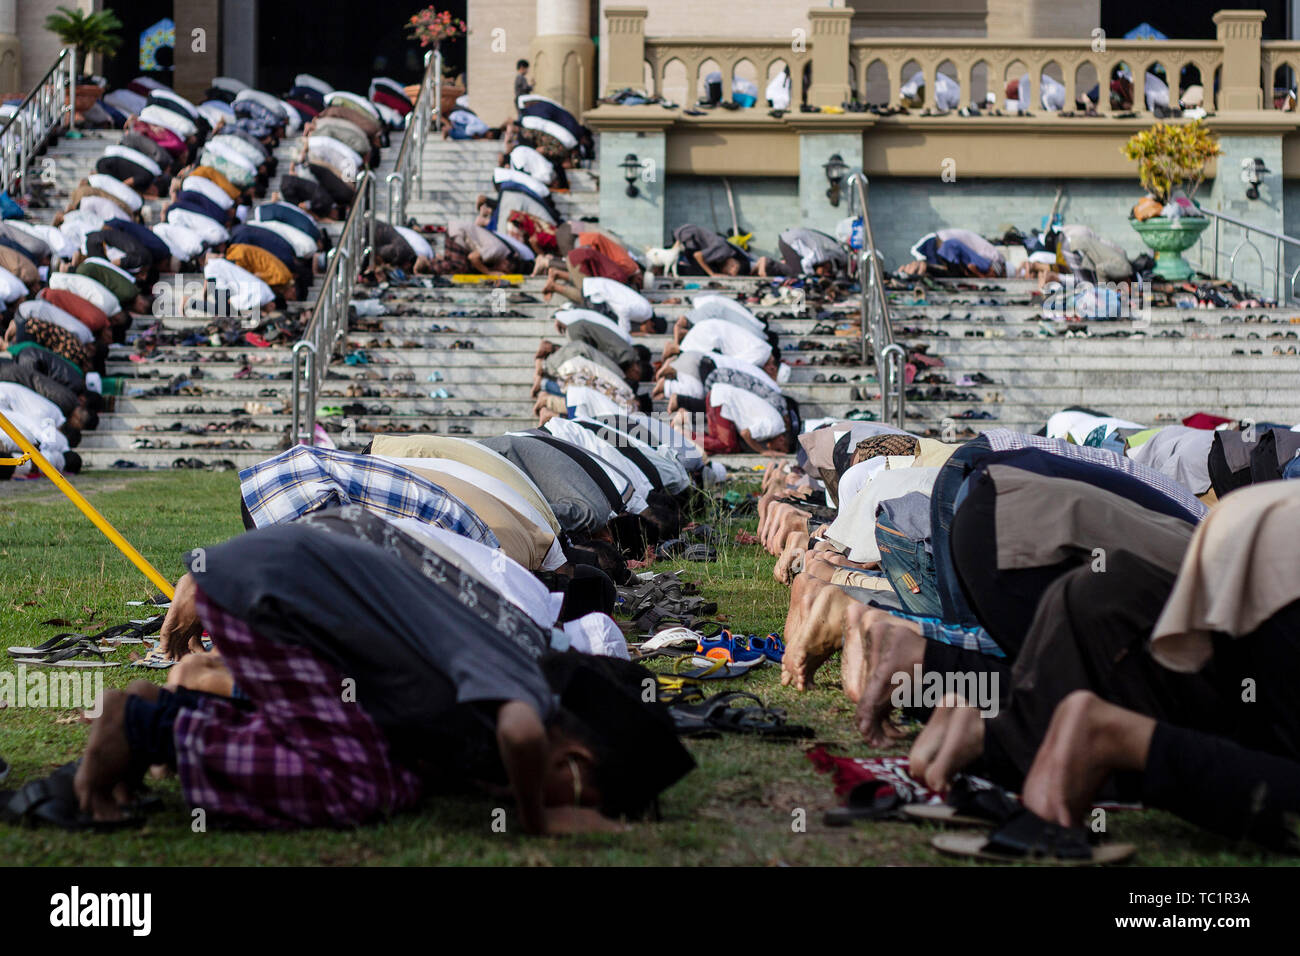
1177	362
458	171
408	370
241	413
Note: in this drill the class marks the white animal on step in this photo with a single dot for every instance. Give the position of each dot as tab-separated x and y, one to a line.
666	259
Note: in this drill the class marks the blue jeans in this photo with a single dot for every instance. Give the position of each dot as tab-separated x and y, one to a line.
910	569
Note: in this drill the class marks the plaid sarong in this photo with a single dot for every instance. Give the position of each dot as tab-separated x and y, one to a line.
298	755
305	479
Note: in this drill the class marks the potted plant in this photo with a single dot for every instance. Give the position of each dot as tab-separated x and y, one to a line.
1172	158
90	33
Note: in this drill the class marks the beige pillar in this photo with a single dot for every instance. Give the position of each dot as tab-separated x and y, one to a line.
625	48
198	55
11	63
1030	19
563	56
1007	20
829	35
1240	32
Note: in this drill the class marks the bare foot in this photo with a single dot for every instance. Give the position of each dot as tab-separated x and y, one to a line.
853	657
1086	742
893	645
962	744
100	779
791	561
821	635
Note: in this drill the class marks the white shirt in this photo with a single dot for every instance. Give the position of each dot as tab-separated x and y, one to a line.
565	316
947	91
612	461
121	190
854	478
715	335
182	241
11	287
303	244
98	209
670	469
747	411
211	232
665	438
419	245
628	304
331	152
854	529
244	291
749	368
587	402
135	156
729	310
86	287
221	146
208	189
511	579
60	248
505	174
41	432
497	489
1079	425
21	399
530	161
168	119
241	146
778	91
49	312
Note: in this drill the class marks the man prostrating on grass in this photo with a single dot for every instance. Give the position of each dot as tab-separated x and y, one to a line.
369	669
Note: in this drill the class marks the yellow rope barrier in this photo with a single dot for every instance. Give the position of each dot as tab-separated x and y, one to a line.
30	453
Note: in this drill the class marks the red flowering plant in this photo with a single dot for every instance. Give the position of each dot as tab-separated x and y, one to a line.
431	27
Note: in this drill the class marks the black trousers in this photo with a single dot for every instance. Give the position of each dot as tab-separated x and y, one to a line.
1221	757
1003	601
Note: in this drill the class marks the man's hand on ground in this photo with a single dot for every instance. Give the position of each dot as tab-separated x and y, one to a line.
182	621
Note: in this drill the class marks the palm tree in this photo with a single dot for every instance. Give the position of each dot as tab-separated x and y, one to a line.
90	33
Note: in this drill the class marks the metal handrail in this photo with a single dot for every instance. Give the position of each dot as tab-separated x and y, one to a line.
329	318
877	329
1279	240
328	327
409	168
51	102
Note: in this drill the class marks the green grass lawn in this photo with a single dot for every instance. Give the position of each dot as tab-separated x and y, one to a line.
737	808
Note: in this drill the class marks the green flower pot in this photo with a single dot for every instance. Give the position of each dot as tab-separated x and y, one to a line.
1168	238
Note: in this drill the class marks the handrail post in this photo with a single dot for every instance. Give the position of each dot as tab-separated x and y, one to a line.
437	89
303	347
72	91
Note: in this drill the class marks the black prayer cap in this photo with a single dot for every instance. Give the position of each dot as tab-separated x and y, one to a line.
640	755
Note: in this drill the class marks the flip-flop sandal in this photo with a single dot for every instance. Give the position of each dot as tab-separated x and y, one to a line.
72	655
872	800
56	643
704	668
1028	838
700	553
968	806
155	660
52	801
695	718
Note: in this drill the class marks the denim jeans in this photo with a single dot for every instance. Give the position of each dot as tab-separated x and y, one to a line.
910	569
